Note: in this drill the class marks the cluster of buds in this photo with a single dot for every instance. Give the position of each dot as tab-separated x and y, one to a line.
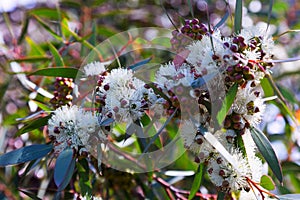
63	92
192	30
242	71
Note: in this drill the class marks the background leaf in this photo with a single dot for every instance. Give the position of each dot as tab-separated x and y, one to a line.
58	72
25	154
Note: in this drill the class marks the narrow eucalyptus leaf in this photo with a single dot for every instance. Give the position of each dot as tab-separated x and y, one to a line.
265	148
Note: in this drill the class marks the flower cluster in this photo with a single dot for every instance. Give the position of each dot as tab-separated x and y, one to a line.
71	127
213	66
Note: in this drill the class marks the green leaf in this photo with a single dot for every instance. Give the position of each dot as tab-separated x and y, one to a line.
35	50
267	87
162	41
197	181
57	57
265	148
289	167
25	154
42	106
64	168
191	7
47	12
65	72
238	16
221	196
45	26
33	125
24	29
228	101
267	183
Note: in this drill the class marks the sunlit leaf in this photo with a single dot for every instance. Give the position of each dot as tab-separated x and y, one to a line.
197	181
35	124
265	148
64	168
267	183
267	87
25	154
57	57
47	13
228	101
66	72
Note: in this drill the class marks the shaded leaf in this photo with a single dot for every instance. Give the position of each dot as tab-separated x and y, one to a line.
58	72
238	16
265	148
270	12
24	29
139	64
197	181
57	57
221	196
64	168
25	154
158	132
267	183
289	167
228	101
33	125
223	20
201	81
30	194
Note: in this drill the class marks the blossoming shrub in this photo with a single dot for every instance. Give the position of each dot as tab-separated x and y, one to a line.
209	99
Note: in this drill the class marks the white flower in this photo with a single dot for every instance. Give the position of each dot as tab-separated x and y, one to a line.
249	104
224	175
169	77
94	68
126	96
202	52
71	127
266	41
